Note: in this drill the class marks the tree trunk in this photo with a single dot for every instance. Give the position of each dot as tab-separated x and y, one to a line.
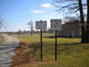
83	40
87	28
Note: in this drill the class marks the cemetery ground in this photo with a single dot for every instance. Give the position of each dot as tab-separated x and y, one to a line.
71	53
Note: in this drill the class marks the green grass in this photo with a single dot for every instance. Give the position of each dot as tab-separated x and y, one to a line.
71	53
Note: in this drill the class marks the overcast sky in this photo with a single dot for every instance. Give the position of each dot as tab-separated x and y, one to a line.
17	13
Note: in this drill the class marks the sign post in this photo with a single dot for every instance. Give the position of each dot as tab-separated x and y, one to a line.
56	25
42	25
55	45
41	50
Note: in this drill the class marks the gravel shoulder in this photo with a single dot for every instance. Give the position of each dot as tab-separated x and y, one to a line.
7	49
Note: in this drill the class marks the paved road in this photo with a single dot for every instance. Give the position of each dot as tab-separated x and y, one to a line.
7	50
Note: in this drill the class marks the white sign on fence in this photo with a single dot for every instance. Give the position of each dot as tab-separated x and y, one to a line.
56	24
41	24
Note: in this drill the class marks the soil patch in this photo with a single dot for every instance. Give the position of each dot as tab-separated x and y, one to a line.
23	57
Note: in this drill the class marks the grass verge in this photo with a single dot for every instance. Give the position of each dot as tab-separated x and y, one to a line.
71	53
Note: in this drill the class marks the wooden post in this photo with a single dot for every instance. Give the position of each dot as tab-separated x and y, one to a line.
55	45
41	51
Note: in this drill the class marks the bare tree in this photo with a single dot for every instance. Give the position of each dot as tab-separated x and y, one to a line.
83	32
75	6
71	19
19	31
87	27
30	23
69	6
1	22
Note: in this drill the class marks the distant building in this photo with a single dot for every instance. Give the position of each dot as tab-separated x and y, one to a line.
71	30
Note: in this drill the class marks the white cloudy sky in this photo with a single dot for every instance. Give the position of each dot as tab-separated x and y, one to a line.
17	13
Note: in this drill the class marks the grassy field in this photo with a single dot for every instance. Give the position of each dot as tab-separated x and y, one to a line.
71	53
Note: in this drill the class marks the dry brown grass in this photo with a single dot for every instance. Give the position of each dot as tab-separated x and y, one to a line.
23	57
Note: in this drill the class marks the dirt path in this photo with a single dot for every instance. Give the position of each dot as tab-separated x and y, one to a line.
7	50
